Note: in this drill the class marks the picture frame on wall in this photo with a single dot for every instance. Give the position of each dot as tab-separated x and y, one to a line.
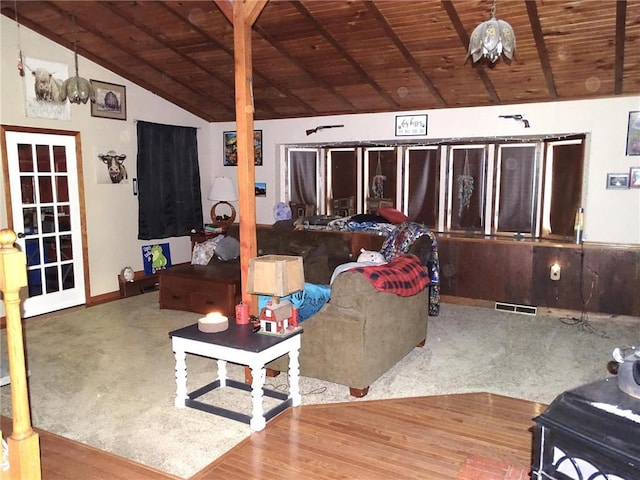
230	145
409	125
261	189
111	100
633	134
617	181
634	177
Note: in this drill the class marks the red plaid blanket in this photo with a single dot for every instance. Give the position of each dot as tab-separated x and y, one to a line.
404	275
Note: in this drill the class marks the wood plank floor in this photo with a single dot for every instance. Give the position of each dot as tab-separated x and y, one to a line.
439	437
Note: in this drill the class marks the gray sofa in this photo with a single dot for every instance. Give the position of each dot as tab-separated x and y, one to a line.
360	334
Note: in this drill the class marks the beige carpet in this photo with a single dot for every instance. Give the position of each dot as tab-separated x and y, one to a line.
105	375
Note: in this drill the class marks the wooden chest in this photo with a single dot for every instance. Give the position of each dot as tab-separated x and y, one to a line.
195	288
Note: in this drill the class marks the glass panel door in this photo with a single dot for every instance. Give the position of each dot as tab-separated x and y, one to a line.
46	216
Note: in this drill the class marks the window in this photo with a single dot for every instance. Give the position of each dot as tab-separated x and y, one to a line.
513	187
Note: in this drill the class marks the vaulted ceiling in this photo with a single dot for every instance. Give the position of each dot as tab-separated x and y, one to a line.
314	58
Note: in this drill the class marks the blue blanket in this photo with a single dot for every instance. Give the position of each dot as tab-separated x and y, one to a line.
308	301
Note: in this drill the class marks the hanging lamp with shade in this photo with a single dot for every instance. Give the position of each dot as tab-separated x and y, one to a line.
77	89
491	39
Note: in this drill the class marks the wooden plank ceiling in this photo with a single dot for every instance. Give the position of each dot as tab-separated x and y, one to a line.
314	58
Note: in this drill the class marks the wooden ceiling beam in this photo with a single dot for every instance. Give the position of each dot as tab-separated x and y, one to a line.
113	42
253	9
543	54
224	5
115	68
345	54
464	38
278	46
621	25
147	31
405	52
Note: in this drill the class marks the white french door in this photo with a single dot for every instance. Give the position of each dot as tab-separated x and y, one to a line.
45	204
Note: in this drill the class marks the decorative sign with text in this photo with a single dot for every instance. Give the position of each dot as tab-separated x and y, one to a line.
411	125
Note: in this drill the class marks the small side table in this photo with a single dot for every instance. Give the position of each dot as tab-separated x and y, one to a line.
239	345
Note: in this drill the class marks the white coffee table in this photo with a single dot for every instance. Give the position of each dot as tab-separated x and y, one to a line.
239	345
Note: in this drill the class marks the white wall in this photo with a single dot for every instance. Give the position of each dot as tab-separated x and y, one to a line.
611	216
112	210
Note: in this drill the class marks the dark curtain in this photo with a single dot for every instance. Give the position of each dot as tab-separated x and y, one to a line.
169	199
424	186
566	190
517	176
468	196
303	177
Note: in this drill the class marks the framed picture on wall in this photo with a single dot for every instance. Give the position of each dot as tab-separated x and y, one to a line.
617	181
261	189
633	134
111	100
230	143
411	125
634	177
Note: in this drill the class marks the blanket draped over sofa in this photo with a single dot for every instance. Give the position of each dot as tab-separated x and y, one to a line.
404	239
403	275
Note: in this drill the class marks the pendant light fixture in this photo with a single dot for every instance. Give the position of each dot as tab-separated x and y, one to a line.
77	89
491	39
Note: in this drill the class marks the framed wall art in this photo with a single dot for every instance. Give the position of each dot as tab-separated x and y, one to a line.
261	189
43	90
411	125
230	154
617	181
633	134
111	100
634	177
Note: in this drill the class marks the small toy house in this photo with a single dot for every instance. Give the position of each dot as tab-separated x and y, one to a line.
275	318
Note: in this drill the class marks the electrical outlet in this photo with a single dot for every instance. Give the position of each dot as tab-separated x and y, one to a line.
554	273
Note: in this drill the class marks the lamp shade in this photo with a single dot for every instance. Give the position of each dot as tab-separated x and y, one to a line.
275	275
223	190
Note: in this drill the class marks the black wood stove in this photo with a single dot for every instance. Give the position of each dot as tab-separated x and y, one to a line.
590	433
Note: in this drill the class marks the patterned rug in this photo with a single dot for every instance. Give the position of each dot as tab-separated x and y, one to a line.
482	468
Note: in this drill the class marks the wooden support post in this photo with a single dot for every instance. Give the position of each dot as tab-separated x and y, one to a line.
24	445
244	14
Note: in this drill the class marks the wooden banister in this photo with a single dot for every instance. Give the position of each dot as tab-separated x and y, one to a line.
24	444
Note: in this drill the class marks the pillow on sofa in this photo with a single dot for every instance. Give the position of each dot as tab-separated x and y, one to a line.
202	252
370	256
393	215
228	248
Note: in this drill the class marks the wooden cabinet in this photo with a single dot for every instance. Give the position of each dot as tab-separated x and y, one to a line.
594	277
141	284
194	288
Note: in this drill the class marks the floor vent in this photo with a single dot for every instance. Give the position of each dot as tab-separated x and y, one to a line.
511	307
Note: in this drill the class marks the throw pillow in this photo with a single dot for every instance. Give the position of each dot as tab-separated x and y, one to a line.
370	256
202	252
228	248
281	211
393	215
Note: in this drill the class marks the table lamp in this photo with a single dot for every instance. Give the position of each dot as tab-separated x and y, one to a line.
278	276
222	191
